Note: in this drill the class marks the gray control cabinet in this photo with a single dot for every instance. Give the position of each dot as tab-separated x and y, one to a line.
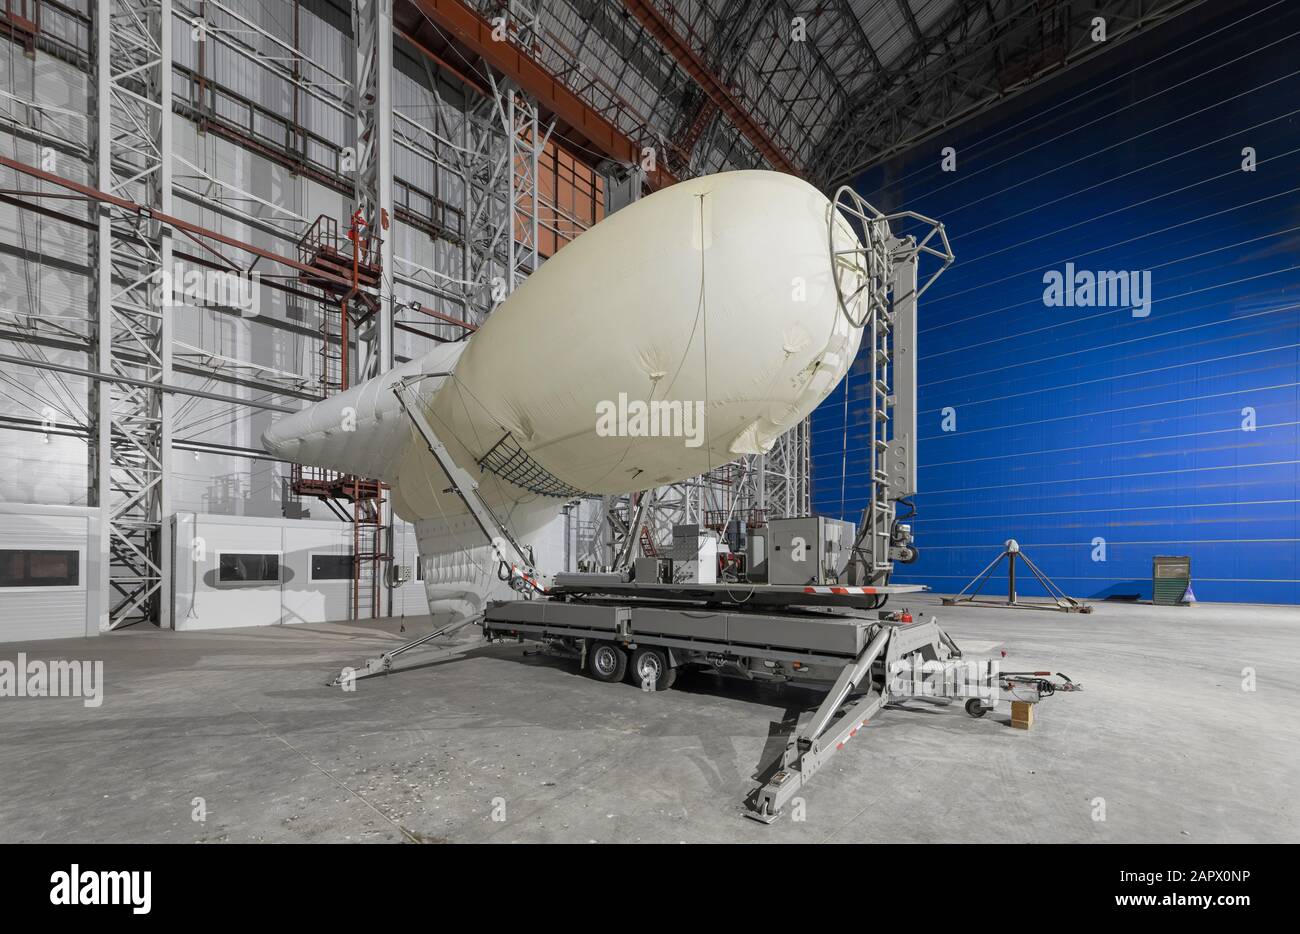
756	555
653	570
813	550
686	543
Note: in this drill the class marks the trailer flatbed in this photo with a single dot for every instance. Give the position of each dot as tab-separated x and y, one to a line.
864	660
731	592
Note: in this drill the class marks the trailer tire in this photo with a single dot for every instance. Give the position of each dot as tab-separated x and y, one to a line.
975	707
606	662
648	660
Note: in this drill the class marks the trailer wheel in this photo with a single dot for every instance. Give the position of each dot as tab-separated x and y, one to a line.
651	663
975	708
606	662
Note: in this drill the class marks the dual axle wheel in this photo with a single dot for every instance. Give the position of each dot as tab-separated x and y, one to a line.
607	661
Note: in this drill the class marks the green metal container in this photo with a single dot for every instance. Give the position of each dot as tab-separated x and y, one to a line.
1171	575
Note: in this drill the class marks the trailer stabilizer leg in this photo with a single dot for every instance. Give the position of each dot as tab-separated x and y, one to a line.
382	664
804	758
825	733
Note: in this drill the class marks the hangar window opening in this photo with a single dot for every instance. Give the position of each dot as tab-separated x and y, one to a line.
331	567
572	199
248	567
29	567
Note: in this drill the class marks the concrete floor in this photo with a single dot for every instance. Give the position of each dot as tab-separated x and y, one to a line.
241	718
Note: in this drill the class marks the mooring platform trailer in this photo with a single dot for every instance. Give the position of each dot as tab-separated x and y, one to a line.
868	661
618	627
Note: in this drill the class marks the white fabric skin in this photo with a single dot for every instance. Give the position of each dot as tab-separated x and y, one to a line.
716	292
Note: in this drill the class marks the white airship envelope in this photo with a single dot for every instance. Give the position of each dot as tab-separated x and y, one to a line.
712	297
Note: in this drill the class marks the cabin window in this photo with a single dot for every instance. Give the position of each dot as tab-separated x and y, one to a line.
38	567
331	567
248	567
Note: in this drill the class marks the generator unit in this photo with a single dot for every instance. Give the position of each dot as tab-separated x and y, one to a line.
812	550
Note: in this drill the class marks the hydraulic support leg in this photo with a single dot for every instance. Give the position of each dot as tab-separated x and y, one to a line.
382	664
523	577
917	662
814	744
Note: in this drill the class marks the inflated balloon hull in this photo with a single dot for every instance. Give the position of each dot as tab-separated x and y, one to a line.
691	327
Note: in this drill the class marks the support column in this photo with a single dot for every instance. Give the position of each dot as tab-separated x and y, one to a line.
525	140
132	421
372	25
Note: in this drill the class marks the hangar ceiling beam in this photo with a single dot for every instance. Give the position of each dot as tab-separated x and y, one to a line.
551	93
976	55
677	46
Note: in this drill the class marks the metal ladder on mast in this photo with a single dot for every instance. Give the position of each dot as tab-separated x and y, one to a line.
878	520
886	270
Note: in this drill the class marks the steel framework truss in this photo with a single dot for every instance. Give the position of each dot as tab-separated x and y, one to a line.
823	88
144	191
131	468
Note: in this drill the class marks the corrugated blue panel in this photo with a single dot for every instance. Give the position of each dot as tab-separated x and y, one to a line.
1095	436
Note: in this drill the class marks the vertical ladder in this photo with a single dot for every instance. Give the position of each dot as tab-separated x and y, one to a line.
879	513
367	549
885	269
321	248
330	350
337	266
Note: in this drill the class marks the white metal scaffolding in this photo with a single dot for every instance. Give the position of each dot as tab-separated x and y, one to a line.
453	192
372	24
131	465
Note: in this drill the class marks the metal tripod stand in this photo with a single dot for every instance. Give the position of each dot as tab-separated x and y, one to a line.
1012	552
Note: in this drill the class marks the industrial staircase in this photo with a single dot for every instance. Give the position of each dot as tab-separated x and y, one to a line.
648	546
330	257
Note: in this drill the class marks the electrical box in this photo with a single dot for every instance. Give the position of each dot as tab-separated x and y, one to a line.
706	559
1171	575
813	550
695	554
686	542
653	570
756	555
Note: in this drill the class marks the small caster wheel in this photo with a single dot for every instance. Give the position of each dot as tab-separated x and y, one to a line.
976	708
